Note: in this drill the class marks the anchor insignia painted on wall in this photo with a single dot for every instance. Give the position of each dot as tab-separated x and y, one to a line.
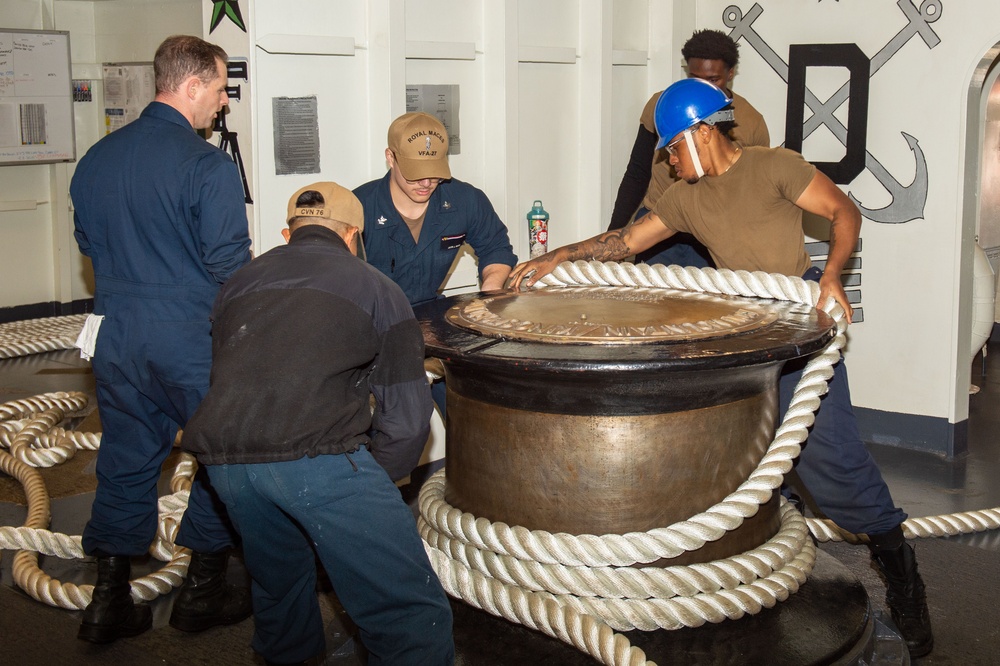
907	200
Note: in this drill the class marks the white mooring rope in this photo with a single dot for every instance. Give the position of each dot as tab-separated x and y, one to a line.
29	429
581	588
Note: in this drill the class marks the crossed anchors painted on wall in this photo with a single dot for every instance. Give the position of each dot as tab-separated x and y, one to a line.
907	200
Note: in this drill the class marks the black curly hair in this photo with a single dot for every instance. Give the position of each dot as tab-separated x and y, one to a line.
712	45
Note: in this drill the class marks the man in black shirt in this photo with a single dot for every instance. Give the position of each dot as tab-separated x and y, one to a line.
302	337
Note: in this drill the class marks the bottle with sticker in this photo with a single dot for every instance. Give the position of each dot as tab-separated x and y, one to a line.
538	230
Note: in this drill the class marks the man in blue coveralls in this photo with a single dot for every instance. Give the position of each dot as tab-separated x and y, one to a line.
161	214
417	217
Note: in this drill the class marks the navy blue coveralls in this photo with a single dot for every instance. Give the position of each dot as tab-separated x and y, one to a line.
161	214
457	213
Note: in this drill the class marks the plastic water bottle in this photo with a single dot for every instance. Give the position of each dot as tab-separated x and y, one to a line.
538	230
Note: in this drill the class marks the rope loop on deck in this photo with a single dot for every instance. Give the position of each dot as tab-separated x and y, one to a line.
32	432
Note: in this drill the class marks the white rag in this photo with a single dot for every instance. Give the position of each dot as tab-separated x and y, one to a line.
87	339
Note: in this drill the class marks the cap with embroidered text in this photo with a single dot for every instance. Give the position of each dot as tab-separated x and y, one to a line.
419	144
338	203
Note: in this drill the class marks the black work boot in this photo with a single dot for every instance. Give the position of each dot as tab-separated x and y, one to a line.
111	612
206	600
905	595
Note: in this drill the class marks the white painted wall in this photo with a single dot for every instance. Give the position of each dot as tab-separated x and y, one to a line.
511	147
910	354
521	113
38	255
27	253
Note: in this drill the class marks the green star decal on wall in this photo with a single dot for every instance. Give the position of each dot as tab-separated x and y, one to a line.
230	8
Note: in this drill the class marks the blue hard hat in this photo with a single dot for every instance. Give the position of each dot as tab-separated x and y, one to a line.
685	104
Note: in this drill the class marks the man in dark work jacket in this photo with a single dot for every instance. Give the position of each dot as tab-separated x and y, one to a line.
301	338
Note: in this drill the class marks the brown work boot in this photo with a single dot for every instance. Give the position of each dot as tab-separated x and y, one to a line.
205	599
111	613
905	596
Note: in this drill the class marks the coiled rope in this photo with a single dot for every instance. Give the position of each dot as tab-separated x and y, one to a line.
29	429
33	336
581	588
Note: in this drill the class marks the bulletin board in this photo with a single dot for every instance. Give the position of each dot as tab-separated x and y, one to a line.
36	97
128	88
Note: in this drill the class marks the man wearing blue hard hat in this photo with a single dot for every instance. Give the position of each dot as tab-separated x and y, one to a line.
709	55
745	205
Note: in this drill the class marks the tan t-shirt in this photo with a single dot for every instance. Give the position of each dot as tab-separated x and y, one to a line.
751	130
414	225
747	217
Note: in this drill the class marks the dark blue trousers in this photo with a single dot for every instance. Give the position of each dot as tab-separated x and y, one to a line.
151	375
346	508
835	466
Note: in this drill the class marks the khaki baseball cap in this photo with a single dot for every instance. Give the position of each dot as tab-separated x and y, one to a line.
419	143
339	204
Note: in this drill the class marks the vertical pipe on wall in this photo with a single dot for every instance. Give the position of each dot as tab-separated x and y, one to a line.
594	103
241	117
670	24
386	35
63	244
500	118
62	231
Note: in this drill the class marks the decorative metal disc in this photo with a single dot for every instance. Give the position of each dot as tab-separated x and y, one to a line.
609	315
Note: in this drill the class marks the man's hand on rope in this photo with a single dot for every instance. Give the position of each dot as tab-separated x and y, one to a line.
830	286
530	272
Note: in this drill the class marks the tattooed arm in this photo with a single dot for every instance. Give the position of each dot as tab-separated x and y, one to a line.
609	246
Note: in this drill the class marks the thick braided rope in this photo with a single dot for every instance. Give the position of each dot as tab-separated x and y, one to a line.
31	433
494	566
951	524
452	537
710	525
535	611
624	582
23	445
764	285
754	570
37	438
715	591
34	489
70	402
34	336
40	586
